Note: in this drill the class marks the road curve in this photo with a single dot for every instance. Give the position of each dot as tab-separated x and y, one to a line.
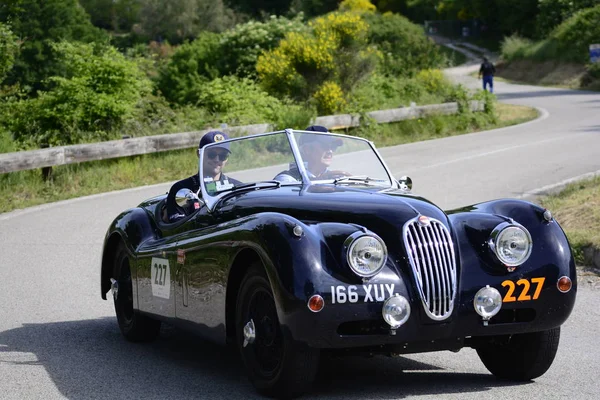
58	339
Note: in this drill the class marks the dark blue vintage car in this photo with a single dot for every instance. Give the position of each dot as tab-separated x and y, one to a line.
306	243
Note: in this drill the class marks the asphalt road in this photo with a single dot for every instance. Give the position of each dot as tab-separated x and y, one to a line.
58	339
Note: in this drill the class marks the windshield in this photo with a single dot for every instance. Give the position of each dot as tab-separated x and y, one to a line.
334	157
269	160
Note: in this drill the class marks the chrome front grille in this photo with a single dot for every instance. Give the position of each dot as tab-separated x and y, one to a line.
431	255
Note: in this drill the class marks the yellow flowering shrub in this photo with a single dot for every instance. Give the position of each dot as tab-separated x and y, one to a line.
433	80
334	51
329	98
344	28
357	6
281	69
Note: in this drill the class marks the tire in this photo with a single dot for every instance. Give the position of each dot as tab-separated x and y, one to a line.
277	365
523	357
133	325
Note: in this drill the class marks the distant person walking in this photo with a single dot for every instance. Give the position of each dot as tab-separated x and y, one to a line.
488	70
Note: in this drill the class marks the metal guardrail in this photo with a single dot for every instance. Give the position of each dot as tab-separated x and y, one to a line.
61	155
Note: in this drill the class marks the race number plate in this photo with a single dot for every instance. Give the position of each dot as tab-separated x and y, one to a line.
523	289
160	275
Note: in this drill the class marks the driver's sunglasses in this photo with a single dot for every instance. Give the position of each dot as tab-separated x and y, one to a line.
215	154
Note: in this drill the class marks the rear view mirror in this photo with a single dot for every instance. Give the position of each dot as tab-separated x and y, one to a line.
405	183
188	201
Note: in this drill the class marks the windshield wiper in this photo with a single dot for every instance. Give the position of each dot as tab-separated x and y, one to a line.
252	186
357	179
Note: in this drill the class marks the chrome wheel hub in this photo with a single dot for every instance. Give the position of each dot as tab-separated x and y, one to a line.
249	333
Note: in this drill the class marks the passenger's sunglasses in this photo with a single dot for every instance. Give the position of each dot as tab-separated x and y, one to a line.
215	154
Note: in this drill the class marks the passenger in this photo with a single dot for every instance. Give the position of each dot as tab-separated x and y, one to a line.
213	163
317	154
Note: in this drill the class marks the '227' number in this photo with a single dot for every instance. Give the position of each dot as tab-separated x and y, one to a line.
524	296
160	274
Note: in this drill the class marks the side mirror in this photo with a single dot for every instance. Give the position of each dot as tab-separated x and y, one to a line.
188	201
405	183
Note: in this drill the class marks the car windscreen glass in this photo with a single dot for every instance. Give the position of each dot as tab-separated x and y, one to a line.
240	163
331	157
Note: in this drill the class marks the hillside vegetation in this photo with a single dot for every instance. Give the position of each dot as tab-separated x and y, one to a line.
154	66
562	58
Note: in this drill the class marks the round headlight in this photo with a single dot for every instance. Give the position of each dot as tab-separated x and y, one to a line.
511	243
366	255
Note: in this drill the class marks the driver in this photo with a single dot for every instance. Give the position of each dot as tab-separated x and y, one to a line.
317	154
213	163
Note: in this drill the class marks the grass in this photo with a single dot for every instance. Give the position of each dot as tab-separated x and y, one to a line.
454	57
27	188
577	209
548	73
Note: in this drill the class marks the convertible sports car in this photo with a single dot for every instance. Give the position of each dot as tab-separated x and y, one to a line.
316	247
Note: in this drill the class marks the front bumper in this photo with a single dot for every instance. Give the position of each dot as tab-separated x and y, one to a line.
361	324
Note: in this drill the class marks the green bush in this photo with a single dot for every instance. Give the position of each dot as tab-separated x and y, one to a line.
190	68
569	42
380	92
98	93
577	33
238	101
553	12
295	116
515	47
403	45
7	144
240	47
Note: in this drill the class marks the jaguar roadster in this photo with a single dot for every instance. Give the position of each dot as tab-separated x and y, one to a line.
317	248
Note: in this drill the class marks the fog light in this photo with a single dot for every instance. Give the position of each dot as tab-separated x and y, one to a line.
396	311
564	284
487	302
316	303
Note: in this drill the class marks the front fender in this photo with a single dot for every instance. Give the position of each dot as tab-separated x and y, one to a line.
131	228
551	255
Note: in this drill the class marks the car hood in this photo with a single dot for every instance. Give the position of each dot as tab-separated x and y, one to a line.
382	212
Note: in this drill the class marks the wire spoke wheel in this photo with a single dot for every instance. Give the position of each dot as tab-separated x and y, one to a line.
124	301
276	364
133	325
267	349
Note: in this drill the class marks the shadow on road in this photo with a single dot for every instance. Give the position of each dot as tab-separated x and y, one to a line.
543	93
590	128
90	359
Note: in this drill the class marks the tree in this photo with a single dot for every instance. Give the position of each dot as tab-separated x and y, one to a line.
116	15
8	49
178	20
39	23
553	12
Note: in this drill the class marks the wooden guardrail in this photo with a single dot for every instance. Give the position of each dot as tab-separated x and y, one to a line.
61	155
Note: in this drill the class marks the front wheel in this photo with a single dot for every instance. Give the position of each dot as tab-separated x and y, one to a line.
521	357
133	325
277	365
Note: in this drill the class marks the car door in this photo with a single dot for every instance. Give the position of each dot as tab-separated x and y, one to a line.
156	275
202	275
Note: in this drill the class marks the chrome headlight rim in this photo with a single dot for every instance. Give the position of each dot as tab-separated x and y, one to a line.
351	242
497	234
